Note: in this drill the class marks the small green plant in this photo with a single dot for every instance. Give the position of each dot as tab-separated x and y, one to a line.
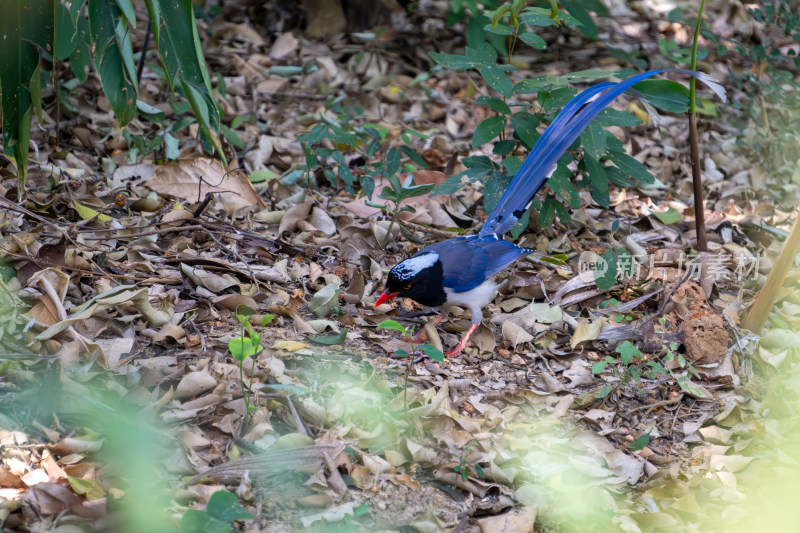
463	468
427	349
396	192
373	157
635	364
380	160
247	344
162	143
222	510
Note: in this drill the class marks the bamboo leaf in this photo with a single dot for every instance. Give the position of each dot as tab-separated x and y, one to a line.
179	48
118	85
24	26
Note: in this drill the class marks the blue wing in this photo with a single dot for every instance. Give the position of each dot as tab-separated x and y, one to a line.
469	261
562	132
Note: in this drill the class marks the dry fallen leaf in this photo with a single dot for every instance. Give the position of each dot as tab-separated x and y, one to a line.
192	179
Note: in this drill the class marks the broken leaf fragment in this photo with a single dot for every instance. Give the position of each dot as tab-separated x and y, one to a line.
325	300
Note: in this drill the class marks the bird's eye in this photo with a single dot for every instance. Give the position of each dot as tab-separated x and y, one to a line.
407	287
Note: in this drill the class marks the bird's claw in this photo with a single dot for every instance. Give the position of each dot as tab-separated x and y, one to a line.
455	352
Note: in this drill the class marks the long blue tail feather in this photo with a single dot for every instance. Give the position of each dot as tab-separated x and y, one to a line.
557	138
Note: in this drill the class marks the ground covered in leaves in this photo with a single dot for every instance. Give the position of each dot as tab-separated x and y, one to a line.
636	408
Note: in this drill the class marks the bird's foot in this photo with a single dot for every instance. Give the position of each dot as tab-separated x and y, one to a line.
463	343
455	352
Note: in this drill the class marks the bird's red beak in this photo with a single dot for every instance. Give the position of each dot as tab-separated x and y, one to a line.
385	297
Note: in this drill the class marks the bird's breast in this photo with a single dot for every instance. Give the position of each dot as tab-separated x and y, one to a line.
479	297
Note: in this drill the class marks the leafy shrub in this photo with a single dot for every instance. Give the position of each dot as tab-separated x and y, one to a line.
57	30
603	159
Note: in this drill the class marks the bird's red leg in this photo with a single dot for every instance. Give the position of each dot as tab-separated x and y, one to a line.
421	337
464	342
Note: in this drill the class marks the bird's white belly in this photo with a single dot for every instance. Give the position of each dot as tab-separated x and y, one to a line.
474	300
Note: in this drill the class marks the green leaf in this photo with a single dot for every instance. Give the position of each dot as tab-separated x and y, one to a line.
122	31
413	156
627	352
487	130
576	9
432	352
127	9
670	216
512	164
196	521
536	16
482	54
401	353
606	274
533	40
495	103
394	325
547	213
618	177
330	340
665	94
225	506
36	92
496	184
631	167
560	183
392	161
605	391
689	387
81	58
497	79
599	366
563	214
118	86
614	117
598	180
556	98
639	443
23	26
206	115
525	125
242	347
500	29
174	30
66	32
340	136
593	140
315	135
504	147
453	61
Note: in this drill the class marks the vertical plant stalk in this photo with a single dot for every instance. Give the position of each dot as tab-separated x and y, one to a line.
697	178
756	316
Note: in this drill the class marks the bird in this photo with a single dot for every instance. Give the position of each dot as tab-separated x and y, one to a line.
460	271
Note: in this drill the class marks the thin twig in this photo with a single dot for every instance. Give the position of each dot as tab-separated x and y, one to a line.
663	305
648	408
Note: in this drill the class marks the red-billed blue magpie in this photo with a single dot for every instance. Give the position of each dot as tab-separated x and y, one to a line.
460	271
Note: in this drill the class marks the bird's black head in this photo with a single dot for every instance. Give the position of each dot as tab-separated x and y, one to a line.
419	277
